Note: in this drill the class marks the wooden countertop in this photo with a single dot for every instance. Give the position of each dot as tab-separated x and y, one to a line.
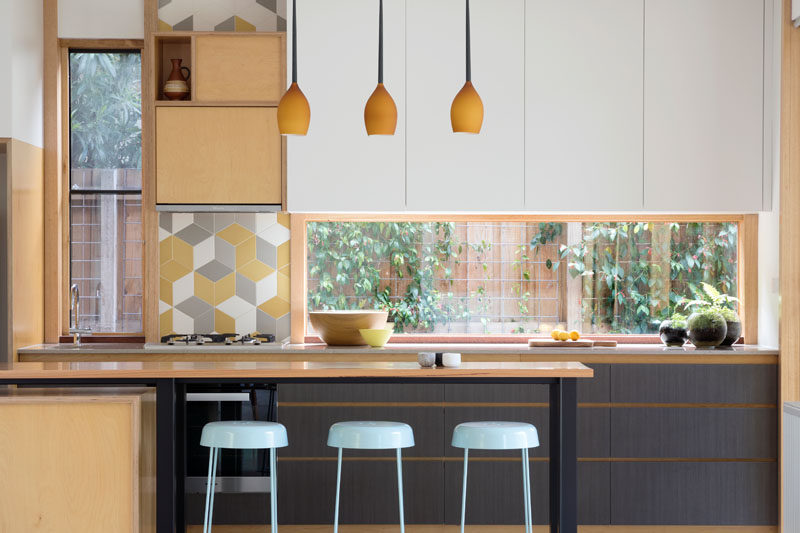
288	370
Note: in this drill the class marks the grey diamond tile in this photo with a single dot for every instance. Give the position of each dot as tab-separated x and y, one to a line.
162	3
272	5
225	252
265	323
186	24
266	253
281	24
226	25
248	220
165	221
193	234
193	307
214	271
205	221
246	289
284	328
223	220
204	323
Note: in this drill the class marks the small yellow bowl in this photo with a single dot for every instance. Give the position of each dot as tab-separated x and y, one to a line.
376	338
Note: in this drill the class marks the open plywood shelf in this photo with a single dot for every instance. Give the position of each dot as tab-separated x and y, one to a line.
169	46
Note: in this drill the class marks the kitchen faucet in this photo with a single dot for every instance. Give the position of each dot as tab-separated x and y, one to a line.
75	306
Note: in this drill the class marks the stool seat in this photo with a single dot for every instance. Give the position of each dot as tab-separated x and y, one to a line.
244	434
495	436
368	435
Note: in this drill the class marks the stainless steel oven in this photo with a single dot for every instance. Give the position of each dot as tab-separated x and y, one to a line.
242	475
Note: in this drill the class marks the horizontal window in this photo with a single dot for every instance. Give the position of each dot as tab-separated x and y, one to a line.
479	278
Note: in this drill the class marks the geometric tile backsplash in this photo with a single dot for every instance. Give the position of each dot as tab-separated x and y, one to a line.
222	15
224	273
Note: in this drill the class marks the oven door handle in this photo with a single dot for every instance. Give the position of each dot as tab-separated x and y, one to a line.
217	396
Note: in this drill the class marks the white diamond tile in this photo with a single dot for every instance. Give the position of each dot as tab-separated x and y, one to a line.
181	322
275	234
234	307
258	16
246	323
163	307
265	220
267	288
183	289
162	234
204	252
175	11
180	221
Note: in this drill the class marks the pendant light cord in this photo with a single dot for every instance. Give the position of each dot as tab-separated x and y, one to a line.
294	41
380	42
469	50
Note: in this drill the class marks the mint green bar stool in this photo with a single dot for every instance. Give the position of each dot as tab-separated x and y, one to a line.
497	436
243	435
370	436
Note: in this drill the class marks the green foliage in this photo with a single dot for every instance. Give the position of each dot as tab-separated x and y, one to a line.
706	318
624	288
106	110
678	320
711	297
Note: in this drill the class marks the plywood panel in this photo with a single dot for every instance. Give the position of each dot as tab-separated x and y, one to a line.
77	462
240	68
26	222
218	155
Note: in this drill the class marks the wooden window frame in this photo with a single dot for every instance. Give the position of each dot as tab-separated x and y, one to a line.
57	176
747	255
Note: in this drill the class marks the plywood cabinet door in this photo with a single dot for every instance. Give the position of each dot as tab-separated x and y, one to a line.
583	105
337	167
458	172
704	101
240	68
218	155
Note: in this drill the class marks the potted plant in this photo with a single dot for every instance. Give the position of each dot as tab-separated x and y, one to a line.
674	332
712	299
707	328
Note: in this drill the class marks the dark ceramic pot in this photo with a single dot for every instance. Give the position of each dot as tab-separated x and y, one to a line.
672	335
709	335
733	334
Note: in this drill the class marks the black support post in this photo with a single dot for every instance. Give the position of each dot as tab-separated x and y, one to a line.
555	456
165	456
568	521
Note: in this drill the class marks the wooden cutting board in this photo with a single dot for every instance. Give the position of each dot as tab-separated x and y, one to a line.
549	343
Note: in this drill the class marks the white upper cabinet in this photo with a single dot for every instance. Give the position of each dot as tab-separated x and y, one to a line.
337	167
583	105
458	172
703	102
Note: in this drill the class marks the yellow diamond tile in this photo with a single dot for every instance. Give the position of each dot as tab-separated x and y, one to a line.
283	219
163	26
204	288
165	291
224	289
223	323
183	253
173	271
242	25
165	250
286	271
283	254
246	252
165	323
255	271
284	287
235	234
275	307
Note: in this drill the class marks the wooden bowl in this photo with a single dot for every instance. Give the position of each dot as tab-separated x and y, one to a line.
340	328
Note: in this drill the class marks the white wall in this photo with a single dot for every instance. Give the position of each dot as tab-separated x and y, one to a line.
5	68
98	19
769	299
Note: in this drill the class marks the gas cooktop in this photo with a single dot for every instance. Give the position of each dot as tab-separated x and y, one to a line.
216	339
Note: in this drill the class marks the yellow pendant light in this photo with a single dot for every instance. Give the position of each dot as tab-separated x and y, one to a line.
294	113
380	113
466	113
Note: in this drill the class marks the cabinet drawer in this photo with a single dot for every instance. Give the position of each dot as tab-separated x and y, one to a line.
218	155
239	68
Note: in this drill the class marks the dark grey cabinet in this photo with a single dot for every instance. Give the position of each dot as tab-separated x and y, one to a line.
657	445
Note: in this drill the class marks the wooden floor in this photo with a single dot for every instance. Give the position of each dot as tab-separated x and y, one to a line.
490	529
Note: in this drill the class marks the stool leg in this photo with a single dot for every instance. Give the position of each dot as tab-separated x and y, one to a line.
400	490
464	490
273	497
527	490
338	488
211	480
